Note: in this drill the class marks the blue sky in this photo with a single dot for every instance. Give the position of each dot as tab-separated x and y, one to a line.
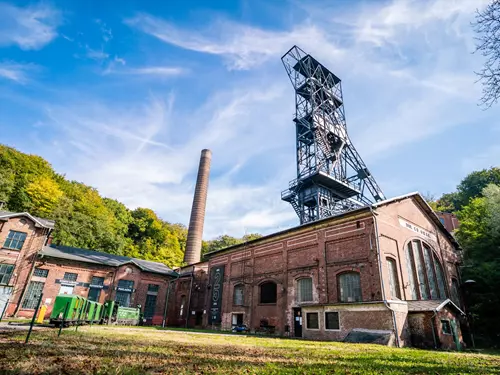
124	95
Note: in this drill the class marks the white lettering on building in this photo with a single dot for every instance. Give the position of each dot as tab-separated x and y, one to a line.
420	231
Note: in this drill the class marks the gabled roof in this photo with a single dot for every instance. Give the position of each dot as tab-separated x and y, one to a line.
39	222
432	305
416	195
98	257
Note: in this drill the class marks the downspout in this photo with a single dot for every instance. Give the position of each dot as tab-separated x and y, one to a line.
433	329
167	297
377	243
30	274
189	300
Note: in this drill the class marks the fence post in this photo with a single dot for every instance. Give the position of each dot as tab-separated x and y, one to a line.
34	317
63	319
4	308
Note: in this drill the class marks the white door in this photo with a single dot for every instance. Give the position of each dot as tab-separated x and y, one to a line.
5	292
66	289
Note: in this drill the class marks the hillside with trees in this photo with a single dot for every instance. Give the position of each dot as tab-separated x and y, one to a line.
476	202
84	219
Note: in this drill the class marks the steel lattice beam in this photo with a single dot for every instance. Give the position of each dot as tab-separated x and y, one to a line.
331	176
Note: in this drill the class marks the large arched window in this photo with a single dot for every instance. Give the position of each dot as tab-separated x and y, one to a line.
393	279
304	290
425	272
238	298
455	293
268	292
349	287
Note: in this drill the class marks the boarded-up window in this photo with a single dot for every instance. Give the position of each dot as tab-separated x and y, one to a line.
393	279
268	292
312	320
332	320
349	287
304	290
238	298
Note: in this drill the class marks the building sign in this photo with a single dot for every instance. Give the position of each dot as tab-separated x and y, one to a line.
96	286
129	290
420	231
68	283
216	280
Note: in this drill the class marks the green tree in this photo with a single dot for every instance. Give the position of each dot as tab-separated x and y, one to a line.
43	193
479	234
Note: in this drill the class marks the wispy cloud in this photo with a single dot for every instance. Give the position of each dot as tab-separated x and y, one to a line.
243	46
19	73
30	27
155	71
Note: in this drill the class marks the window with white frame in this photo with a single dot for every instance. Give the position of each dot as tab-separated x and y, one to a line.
304	290
349	285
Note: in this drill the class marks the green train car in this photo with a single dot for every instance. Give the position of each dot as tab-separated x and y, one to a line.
73	309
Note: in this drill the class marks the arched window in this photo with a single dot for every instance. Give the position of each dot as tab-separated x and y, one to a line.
238	298
183	302
268	292
425	272
304	290
455	294
393	279
349	287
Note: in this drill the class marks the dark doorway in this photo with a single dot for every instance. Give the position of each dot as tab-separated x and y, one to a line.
199	318
297	322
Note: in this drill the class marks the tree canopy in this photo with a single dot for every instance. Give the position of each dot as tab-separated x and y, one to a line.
476	202
85	219
487	27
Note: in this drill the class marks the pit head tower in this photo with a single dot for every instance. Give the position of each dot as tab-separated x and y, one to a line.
331	176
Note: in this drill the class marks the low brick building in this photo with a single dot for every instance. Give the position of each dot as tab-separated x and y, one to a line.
360	270
28	267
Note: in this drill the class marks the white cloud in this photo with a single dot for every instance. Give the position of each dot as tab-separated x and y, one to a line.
158	71
31	27
243	46
16	72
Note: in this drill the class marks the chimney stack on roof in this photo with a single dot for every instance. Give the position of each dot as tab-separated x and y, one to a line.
195	231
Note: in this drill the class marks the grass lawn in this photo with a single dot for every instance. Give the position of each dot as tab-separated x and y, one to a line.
123	350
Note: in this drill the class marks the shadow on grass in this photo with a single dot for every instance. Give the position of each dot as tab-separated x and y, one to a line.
81	353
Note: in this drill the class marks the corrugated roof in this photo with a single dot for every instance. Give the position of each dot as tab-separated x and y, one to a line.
98	257
46	223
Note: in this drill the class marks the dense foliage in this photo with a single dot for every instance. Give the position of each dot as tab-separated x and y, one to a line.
477	205
85	219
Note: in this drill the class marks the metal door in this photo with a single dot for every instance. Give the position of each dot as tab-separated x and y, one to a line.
454	330
5	293
297	322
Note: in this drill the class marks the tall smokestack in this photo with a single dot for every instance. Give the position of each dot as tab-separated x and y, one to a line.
195	231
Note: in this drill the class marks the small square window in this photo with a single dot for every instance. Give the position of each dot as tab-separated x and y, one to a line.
445	326
40	272
332	320
70	276
15	240
312	320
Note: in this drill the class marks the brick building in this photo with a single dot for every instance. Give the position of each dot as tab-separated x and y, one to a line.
449	220
28	267
386	269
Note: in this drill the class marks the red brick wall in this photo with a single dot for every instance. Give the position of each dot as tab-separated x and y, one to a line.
85	271
22	259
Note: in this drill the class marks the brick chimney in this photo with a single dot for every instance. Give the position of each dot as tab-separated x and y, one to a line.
195	231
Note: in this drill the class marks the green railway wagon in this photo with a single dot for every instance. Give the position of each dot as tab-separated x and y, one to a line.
75	305
128	315
89	315
97	313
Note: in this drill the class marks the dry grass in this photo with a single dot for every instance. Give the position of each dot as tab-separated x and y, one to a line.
114	350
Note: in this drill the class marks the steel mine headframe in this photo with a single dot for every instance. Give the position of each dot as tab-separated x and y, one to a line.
331	176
